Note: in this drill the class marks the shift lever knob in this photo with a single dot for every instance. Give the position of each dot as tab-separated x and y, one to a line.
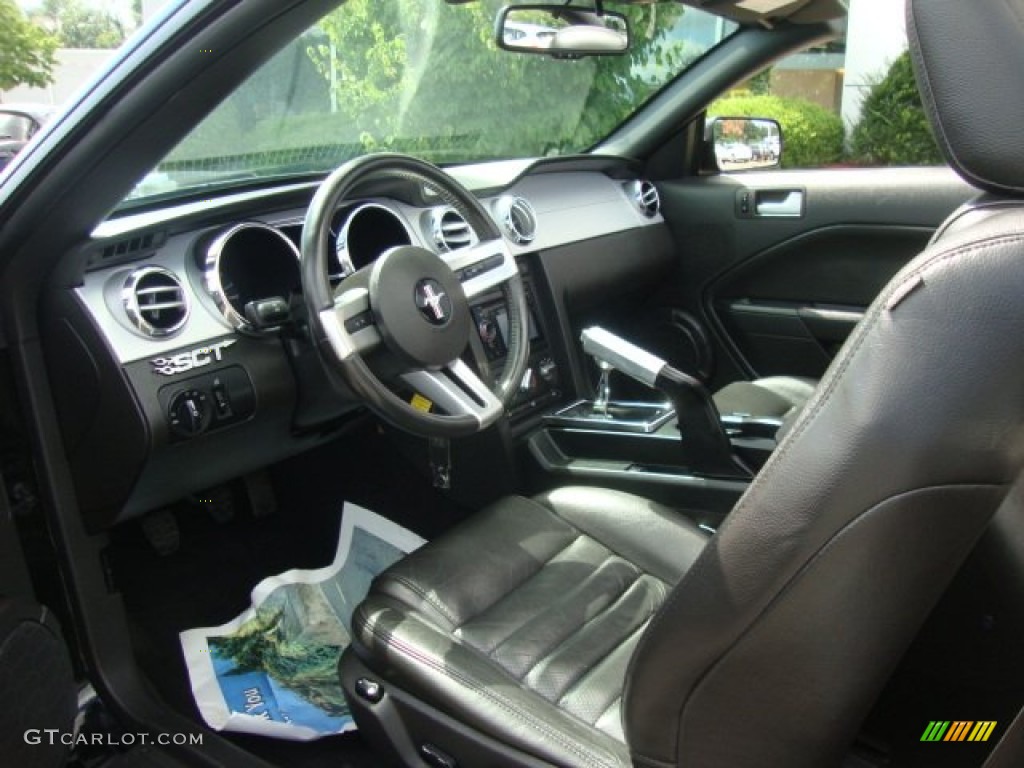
622	355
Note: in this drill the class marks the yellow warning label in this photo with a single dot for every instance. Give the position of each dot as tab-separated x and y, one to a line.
420	403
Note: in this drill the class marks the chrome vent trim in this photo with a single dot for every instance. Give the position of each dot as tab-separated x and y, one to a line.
154	301
645	196
517	219
449	230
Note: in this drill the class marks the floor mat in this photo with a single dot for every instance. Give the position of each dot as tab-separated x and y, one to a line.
209	578
272	670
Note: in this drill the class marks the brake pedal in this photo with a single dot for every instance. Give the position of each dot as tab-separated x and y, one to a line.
218	502
161	531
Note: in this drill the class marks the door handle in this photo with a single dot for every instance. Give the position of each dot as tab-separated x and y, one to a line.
779	202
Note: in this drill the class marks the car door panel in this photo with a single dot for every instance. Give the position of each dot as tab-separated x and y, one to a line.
779	266
788	309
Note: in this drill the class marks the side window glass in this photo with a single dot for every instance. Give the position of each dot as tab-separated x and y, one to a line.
851	103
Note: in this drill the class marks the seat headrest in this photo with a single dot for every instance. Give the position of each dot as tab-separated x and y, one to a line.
969	61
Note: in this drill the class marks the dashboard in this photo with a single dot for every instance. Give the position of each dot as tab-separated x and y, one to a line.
180	353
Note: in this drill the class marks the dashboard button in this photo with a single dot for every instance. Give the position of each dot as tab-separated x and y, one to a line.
221	401
359	322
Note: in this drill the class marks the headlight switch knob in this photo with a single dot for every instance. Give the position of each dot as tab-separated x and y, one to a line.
189	413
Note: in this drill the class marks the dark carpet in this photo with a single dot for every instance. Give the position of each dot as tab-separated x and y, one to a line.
207	581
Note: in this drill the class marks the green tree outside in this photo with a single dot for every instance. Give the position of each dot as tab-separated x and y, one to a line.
79	26
27	53
428	79
375	55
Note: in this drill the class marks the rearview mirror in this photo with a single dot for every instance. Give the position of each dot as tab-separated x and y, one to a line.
562	31
745	143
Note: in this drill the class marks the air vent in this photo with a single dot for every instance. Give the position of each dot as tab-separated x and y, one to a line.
645	195
517	218
154	301
449	230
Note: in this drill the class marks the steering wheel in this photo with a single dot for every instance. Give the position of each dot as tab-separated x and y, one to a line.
410	309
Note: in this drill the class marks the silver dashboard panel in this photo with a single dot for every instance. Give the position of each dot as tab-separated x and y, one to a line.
570	207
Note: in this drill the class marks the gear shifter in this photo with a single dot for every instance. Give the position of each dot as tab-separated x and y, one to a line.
706	446
604	388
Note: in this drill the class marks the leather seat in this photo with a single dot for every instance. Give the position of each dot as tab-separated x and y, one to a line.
527	615
773	397
593	628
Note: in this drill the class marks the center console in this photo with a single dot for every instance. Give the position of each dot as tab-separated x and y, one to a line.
677	440
540	386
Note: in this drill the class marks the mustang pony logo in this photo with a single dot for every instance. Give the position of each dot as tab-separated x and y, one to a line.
432	301
186	361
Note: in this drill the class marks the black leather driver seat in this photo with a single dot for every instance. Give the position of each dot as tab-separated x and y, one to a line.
527	615
592	628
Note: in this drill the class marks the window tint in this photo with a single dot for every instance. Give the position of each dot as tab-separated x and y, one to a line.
851	103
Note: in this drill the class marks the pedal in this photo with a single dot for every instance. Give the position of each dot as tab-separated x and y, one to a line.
218	502
260	491
161	531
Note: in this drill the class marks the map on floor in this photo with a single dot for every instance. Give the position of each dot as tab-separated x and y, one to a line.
272	670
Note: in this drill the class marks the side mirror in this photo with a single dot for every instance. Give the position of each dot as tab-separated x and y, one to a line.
562	31
744	143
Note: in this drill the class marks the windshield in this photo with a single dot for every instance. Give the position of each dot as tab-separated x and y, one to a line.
425	78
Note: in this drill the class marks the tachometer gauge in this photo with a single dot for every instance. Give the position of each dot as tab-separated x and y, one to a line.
364	234
251	264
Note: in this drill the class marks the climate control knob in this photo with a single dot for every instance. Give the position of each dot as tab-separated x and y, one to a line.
189	413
